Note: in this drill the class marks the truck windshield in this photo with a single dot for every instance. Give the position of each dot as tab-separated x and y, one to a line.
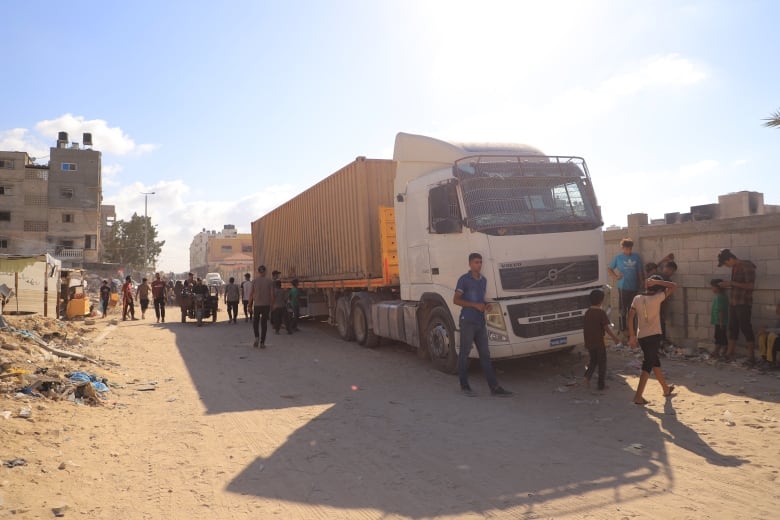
517	195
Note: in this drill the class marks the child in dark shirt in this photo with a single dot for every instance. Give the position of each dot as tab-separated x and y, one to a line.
595	325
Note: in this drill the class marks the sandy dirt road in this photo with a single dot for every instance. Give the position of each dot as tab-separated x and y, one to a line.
314	427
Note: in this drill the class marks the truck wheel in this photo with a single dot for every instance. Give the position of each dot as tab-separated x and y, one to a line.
343	324
363	335
440	340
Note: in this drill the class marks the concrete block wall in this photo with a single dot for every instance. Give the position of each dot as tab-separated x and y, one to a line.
695	246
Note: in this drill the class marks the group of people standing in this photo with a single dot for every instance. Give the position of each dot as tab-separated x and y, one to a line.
264	298
644	293
157	292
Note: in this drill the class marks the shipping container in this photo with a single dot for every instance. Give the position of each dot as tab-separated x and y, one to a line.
331	233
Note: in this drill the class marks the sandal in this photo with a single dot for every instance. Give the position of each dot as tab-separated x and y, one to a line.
671	391
644	402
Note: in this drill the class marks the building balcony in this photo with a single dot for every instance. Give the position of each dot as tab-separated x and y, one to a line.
68	253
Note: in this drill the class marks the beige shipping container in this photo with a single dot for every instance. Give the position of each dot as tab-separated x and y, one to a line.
329	235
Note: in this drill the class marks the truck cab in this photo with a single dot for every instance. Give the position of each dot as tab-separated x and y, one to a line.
534	219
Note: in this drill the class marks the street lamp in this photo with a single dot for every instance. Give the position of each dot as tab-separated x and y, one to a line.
146	240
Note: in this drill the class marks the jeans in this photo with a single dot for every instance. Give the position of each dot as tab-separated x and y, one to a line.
474	333
247	309
104	307
260	317
159	308
626	298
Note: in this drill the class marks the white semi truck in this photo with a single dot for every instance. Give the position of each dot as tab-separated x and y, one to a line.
379	245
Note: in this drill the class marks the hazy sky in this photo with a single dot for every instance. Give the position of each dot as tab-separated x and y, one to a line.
227	109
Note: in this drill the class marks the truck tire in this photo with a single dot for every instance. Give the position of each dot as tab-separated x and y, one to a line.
343	324
363	335
440	341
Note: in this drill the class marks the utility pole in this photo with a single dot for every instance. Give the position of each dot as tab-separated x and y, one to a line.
146	240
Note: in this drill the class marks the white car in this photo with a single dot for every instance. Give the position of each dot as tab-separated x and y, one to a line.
214	279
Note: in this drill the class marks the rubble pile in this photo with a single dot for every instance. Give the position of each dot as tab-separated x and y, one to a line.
48	358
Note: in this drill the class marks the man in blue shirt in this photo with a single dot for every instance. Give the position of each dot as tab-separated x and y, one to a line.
627	268
470	295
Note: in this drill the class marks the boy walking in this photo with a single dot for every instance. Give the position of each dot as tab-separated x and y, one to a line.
719	316
595	325
158	295
127	299
646	308
246	288
105	295
232	295
470	295
261	293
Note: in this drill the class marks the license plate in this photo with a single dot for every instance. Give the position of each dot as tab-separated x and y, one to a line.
554	342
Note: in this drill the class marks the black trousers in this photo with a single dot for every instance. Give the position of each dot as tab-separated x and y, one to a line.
159	308
260	321
598	359
232	308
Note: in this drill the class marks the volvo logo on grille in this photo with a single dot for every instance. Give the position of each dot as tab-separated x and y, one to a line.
552	274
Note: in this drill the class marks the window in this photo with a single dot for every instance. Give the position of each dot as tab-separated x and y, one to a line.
90	241
3	243
69	167
36	225
246	249
5	216
35	200
67	218
227	249
66	244
36	175
66	193
443	209
7	164
6	190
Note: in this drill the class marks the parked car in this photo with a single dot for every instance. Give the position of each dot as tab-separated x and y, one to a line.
214	280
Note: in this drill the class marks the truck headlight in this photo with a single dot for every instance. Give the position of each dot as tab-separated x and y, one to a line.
494	317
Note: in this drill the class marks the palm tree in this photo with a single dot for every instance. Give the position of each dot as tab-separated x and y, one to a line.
774	120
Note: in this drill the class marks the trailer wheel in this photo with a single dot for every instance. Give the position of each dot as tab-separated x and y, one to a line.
343	324
363	335
440	340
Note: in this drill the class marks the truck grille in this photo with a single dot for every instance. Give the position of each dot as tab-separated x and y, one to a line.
560	272
531	320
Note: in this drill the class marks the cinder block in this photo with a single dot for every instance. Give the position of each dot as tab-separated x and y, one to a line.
687	254
768	236
746	239
693	280
718	240
700	267
770	252
772	267
699	308
764	297
709	254
696	241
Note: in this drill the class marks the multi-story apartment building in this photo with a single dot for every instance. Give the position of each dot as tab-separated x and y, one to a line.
227	252
53	208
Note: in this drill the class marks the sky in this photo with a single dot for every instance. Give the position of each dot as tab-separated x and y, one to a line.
227	109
